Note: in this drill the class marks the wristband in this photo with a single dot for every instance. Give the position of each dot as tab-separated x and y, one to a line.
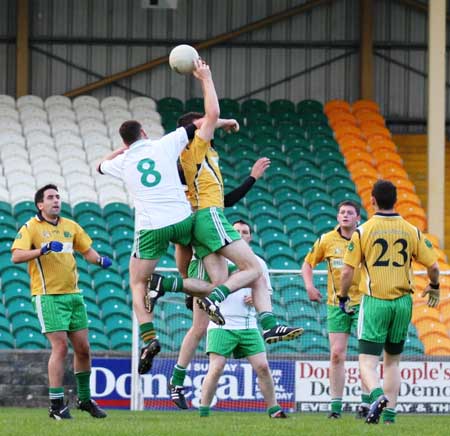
434	285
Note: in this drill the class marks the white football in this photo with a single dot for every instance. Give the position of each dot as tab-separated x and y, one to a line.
182	57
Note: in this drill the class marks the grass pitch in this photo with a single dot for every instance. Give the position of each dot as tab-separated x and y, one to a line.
16	421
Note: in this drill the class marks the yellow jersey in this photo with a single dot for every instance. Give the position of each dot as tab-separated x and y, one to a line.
53	273
331	247
200	163
384	248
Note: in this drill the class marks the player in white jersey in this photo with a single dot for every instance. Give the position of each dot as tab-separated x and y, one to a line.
163	215
239	337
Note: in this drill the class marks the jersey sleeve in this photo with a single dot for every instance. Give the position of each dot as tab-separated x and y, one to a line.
174	142
198	148
353	254
22	240
425	252
113	167
81	241
316	254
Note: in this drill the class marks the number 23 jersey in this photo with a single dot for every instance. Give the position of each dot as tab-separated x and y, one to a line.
149	171
384	247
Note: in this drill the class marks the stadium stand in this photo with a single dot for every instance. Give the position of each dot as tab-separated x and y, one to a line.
321	155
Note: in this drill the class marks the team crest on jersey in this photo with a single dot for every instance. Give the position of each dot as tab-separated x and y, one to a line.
46	234
351	246
337	250
428	243
67	234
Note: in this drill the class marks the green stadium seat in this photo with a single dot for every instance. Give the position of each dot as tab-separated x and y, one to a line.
20	320
323	225
167	262
123	248
166	341
301	236
66	210
324	143
24	207
295	222
95	324
109	292
267	221
316	197
170	104
270	235
113	307
15	289
84	278
92	309
15	274
30	339
339	182
413	346
329	156
20	305
117	207
294	296
98	234
309	106
107	277
292	208
87	218
194	105
343	195
6	340
169	125
253	105
121	340
323	211
5	208
177	328
314	344
286	117
228	105
7	220
312	118
303	169
86	207
254	119
98	341
118	322
103	249
288	130
283	262
4	323
119	219
286	193
294	142
313	132
7	233
281	105
332	169
122	233
175	311
292	347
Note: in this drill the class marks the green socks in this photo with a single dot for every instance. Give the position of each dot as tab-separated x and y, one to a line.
274	409
388	415
147	332
178	375
56	396
336	405
219	293
365	399
172	284
83	388
204	411
375	394
267	320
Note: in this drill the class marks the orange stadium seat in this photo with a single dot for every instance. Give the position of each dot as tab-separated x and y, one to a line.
378	142
403	184
389	171
351	142
358	156
362	169
383	155
407	197
366	105
436	345
347	129
428	327
364	116
373	130
337	117
336	104
424	313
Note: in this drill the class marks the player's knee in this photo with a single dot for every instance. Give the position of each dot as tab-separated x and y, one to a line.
337	355
60	349
262	369
197	332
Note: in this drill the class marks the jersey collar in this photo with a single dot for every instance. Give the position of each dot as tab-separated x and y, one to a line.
386	214
338	229
40	218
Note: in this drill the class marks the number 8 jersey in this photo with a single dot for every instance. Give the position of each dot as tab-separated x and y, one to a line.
149	171
385	247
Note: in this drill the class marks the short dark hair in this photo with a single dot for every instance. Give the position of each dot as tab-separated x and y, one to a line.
188	118
245	223
351	204
385	194
130	131
39	196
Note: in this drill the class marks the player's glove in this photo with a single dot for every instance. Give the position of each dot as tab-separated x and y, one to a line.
52	246
344	305
104	261
434	293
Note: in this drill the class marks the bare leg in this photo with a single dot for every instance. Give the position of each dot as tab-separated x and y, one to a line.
368	366
58	342
183	256
338	345
391	378
81	355
261	366
209	386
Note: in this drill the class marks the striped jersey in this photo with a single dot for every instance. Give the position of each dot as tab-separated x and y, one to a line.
331	247
54	272
149	170
384	247
200	162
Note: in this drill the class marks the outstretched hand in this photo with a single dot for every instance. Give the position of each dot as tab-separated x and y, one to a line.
433	296
201	70
259	167
230	125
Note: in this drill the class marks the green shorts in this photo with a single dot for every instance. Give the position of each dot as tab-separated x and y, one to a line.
153	244
340	322
239	343
197	270
60	312
211	231
384	321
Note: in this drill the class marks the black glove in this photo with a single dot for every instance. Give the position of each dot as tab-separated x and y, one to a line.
344	305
